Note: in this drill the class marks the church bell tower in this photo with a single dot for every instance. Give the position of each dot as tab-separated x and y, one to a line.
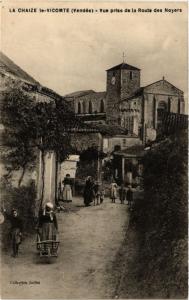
122	81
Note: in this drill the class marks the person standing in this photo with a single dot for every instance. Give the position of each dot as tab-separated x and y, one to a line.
67	189
113	191
122	193
89	191
16	230
130	197
47	226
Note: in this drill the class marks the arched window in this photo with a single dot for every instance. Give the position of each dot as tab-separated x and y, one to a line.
162	107
169	104
102	109
84	107
90	107
179	106
79	108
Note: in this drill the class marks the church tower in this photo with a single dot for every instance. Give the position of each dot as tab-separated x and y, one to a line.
122	81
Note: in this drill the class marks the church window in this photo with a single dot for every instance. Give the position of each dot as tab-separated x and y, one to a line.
102	106
169	104
79	108
162	107
84	107
90	107
131	75
179	106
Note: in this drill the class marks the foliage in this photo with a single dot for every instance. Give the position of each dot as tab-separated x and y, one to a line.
161	219
19	133
22	199
29	125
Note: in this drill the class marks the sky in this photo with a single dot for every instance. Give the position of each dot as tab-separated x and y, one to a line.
68	52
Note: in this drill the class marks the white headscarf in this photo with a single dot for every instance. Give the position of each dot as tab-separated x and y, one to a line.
49	205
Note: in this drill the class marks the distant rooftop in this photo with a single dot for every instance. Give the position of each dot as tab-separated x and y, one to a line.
133	151
9	66
123	66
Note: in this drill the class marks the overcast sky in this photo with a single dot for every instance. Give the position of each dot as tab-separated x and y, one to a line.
70	52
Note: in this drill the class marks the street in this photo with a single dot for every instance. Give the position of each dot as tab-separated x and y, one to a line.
90	239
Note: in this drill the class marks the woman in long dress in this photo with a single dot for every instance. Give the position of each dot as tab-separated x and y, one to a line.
48	227
89	192
67	190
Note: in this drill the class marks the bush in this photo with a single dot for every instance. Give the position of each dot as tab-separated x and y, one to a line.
161	220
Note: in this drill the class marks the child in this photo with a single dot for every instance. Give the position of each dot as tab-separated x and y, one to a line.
97	194
102	194
122	193
113	191
130	196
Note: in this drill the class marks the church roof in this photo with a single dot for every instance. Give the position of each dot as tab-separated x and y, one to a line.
8	66
123	66
163	81
79	94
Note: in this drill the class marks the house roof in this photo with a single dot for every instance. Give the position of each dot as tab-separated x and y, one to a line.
7	65
123	66
133	151
110	130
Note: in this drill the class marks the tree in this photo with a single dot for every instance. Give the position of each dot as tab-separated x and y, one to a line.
161	219
19	134
30	126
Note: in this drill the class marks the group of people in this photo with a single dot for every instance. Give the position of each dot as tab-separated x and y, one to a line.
47	228
93	192
122	193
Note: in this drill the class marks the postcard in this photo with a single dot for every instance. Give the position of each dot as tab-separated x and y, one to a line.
94	106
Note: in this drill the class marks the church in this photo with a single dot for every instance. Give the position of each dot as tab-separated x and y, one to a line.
127	105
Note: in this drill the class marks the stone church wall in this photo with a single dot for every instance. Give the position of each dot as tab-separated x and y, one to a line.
113	96
84	102
129	85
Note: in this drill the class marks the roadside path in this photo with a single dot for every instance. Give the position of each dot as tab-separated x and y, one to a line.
90	239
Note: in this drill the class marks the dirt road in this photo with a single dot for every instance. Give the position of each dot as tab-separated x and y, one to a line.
90	238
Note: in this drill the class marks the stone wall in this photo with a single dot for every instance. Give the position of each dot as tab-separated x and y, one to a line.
130	82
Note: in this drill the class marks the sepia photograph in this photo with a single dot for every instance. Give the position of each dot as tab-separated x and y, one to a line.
94	150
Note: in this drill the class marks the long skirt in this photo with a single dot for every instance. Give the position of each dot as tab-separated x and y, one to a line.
88	196
67	193
48	232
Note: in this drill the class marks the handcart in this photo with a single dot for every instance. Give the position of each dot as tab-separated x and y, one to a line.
48	248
